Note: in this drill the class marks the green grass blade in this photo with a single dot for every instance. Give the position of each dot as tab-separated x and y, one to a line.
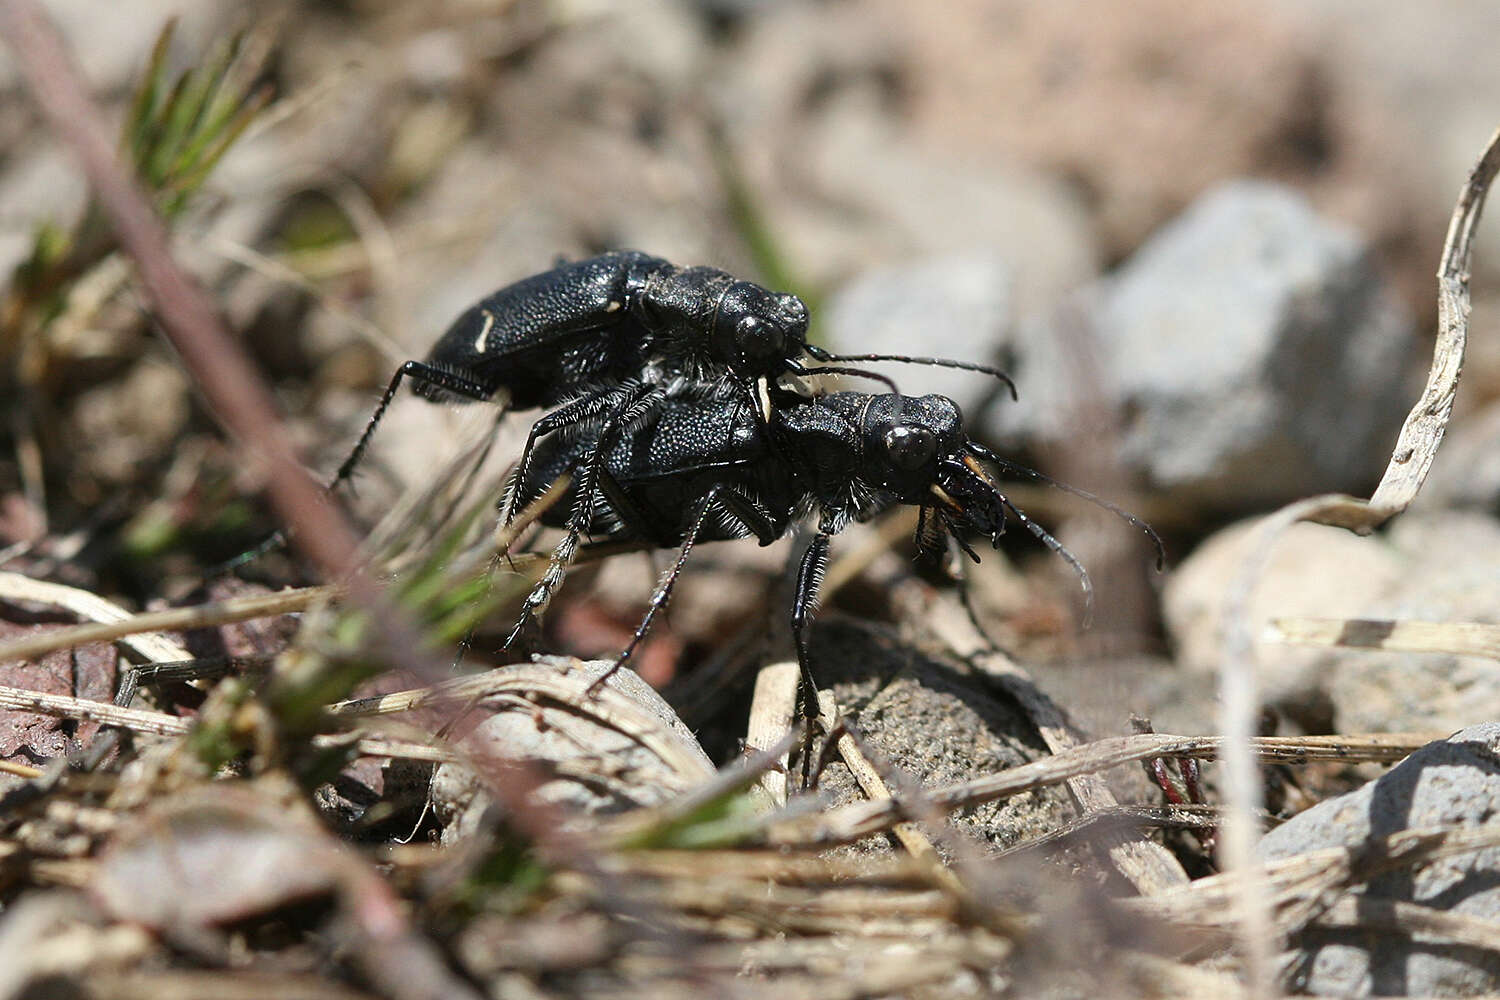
221	96
182	187
138	124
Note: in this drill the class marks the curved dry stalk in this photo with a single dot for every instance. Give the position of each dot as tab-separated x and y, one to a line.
1410	462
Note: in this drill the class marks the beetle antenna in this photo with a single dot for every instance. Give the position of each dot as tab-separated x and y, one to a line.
1041	533
989	456
968	366
1068	557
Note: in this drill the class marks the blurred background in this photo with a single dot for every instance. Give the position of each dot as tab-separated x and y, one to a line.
1201	237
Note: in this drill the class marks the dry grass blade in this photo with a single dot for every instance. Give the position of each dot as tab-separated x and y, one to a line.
1461	638
852	822
236	609
150	647
909	834
1304	887
66	707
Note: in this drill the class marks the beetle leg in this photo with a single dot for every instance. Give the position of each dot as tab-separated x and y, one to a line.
663	591
574	412
454	382
804	604
643	399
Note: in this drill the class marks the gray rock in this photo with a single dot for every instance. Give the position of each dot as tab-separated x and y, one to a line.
1251	345
935	723
1448	573
1314	570
597	762
951	306
1432	566
1454	782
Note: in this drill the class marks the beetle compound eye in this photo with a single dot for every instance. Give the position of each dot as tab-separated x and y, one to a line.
757	338
910	448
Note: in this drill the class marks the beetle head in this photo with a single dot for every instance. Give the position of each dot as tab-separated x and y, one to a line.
915	448
905	442
756	331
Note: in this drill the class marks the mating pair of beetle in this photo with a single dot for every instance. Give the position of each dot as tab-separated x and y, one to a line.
668	386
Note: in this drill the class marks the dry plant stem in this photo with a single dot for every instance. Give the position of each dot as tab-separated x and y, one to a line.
1415	449
861	819
150	647
1303	887
20	770
234	609
141	720
1461	638
772	709
1442	927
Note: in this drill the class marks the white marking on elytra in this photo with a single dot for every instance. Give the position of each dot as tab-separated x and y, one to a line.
484	332
614	307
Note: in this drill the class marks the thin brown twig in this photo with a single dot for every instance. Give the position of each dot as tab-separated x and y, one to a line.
218	364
